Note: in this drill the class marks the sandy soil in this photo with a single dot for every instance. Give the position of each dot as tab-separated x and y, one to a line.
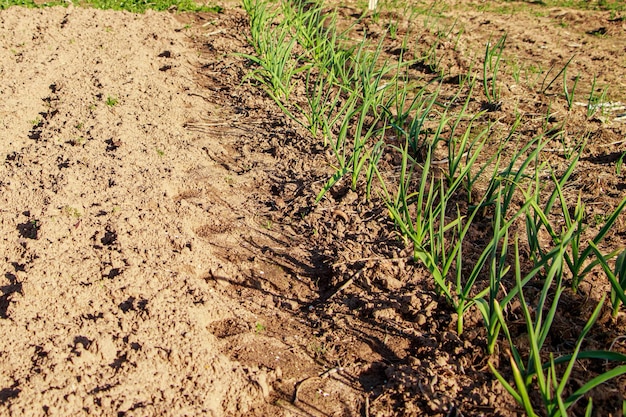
107	306
161	254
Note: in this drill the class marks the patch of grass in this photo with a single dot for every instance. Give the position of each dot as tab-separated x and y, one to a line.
541	7
135	6
5	4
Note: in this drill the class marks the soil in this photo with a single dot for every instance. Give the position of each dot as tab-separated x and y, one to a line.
162	254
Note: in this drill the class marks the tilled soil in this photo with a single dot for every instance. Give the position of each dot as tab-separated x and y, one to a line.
162	254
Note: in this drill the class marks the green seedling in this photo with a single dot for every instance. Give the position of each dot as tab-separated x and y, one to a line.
491	65
494	256
463	151
420	216
274	46
259	328
579	257
111	101
617	278
77	141
546	378
516	70
595	101
562	71
430	59
359	118
492	163
569	95
71	212
532	74
619	163
513	175
392	29
407	111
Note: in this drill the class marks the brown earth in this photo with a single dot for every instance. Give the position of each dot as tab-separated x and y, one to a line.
161	253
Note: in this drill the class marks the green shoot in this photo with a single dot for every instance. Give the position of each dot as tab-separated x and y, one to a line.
594	101
562	71
569	95
544	377
491	64
617	278
619	163
111	101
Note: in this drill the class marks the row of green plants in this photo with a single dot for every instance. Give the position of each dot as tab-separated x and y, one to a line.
364	105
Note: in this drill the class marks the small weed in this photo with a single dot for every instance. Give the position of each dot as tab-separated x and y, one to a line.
393	30
533	73
70	211
600	33
77	141
111	101
516	70
259	328
160	152
599	219
619	163
318	349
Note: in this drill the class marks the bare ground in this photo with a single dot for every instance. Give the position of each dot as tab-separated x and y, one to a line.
160	249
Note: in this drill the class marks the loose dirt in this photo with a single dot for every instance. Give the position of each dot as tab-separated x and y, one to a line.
161	253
